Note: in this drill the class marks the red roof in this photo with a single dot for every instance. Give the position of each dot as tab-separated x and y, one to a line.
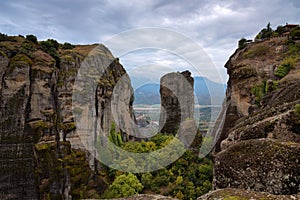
291	25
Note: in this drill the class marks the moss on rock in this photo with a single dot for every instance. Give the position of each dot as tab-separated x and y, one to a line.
20	60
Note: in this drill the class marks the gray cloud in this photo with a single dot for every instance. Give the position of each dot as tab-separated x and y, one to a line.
214	24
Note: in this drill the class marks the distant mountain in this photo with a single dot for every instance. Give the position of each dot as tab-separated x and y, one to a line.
149	93
209	92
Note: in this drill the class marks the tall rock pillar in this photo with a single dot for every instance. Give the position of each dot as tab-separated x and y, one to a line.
177	100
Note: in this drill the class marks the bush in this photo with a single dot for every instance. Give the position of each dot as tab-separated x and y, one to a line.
285	67
3	37
27	48
295	33
293	48
67	45
259	91
32	38
242	43
265	33
280	30
115	137
124	186
51	46
50	43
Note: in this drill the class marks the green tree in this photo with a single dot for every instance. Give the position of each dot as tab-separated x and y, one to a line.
147	180
242	43
124	186
295	33
205	188
50	46
3	37
280	30
67	45
265	32
161	139
32	38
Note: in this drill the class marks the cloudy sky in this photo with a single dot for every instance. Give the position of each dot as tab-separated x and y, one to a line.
215	26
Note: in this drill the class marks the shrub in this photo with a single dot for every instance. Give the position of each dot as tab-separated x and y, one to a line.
259	91
285	66
3	37
124	186
242	43
295	33
115	137
50	43
293	48
32	38
67	45
265	32
280	30
50	46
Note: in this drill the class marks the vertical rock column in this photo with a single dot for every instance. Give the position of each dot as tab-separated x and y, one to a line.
16	155
177	101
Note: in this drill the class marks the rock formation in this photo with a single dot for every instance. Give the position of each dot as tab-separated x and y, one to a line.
259	147
177	100
42	156
231	193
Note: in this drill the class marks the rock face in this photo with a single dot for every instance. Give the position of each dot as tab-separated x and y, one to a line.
230	193
146	197
259	145
177	100
41	154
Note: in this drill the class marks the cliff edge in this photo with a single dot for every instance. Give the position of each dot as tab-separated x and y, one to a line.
259	147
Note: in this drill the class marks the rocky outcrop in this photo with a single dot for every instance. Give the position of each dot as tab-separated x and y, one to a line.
177	101
231	193
146	197
259	145
42	156
265	165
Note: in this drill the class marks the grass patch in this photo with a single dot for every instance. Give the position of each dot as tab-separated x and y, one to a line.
256	52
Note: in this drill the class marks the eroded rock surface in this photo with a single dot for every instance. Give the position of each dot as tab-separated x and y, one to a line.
259	145
177	100
230	193
41	153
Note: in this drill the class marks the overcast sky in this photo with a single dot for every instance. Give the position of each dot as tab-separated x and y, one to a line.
215	26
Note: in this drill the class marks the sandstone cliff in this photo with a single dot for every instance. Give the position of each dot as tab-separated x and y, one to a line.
42	156
259	147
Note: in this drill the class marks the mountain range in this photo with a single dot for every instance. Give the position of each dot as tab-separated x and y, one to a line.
207	92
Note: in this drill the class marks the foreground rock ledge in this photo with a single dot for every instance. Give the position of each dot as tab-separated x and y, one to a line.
262	165
230	193
145	197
